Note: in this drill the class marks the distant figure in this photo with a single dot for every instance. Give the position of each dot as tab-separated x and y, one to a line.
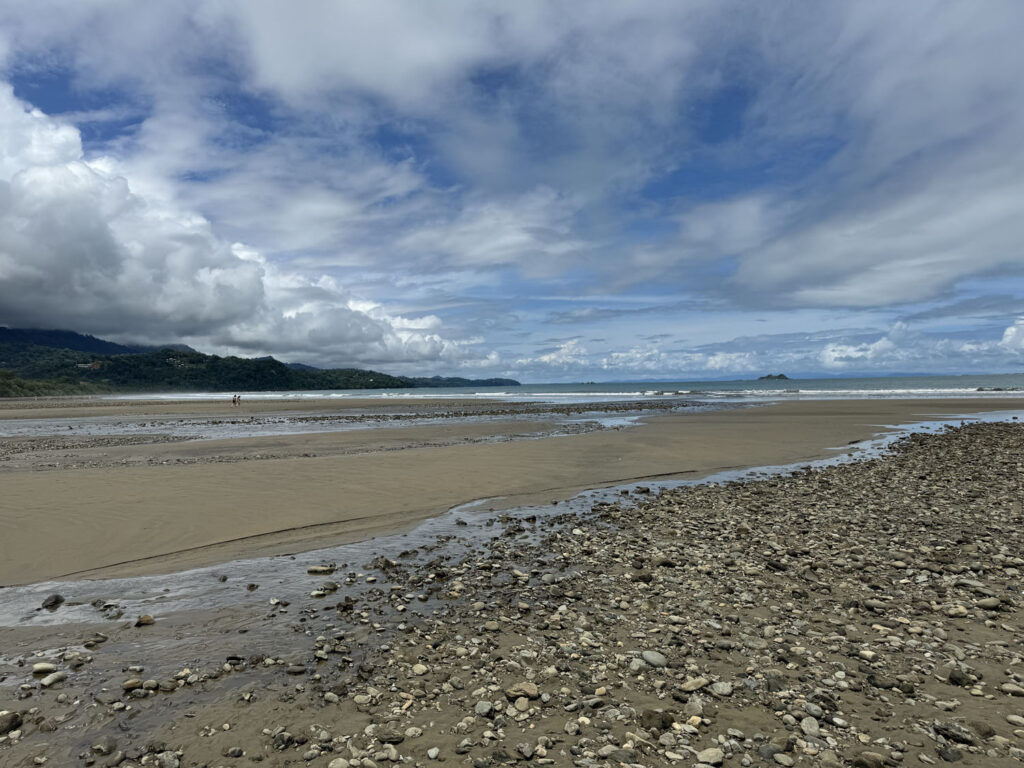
234	399
238	399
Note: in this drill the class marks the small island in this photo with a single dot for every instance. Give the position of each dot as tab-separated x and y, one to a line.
773	377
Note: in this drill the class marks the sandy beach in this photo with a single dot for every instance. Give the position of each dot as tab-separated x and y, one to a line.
864	613
159	507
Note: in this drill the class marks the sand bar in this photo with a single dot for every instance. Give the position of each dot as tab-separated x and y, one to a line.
115	520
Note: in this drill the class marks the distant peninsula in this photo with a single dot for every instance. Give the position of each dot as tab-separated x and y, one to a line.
774	377
51	362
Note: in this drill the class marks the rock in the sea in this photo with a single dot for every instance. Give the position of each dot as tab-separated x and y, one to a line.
144	620
53	602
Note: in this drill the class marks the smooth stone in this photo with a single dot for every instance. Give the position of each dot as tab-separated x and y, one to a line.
711	756
53	679
144	620
989	603
810	727
654	658
1012	688
782	758
721	689
1016	720
43	668
420	669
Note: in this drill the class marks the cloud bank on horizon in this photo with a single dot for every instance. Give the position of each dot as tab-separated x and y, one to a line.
532	189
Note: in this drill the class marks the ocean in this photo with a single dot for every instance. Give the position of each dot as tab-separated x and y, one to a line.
889	387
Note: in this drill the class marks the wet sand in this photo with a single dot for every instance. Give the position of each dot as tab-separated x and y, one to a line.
196	503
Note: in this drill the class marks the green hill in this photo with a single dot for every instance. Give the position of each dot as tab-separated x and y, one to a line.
52	369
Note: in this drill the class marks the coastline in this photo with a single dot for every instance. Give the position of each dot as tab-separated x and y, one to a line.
186	507
864	613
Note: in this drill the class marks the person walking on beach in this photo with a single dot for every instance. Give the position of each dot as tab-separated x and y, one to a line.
234	399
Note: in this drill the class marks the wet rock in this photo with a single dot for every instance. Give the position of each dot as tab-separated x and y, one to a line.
9	721
53	679
104	745
53	602
144	620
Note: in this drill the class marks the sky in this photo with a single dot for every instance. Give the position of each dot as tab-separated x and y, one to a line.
550	191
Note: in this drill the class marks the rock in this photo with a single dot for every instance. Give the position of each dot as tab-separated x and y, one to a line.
53	679
433	752
43	668
810	727
524	688
420	669
694	684
950	754
711	756
721	689
989	603
783	759
9	721
1015	720
654	658
958	677
1012	688
338	762
953	732
53	602
483	708
104	745
144	620
390	736
869	760
167	760
956	611
655	720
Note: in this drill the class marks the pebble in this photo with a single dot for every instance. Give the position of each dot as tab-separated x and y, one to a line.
711	756
654	658
54	678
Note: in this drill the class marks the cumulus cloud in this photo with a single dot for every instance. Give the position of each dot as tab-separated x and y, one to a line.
80	249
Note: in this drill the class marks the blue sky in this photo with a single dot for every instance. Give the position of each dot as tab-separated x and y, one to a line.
529	189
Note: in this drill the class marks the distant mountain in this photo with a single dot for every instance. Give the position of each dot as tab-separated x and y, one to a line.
35	356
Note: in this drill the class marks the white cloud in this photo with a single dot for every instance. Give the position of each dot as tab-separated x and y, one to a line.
80	249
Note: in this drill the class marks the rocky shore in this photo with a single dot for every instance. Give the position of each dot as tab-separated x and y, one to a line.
864	614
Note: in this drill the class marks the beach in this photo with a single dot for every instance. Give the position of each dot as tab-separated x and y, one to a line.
863	612
144	507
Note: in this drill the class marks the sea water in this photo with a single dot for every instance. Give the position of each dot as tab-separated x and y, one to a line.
759	390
